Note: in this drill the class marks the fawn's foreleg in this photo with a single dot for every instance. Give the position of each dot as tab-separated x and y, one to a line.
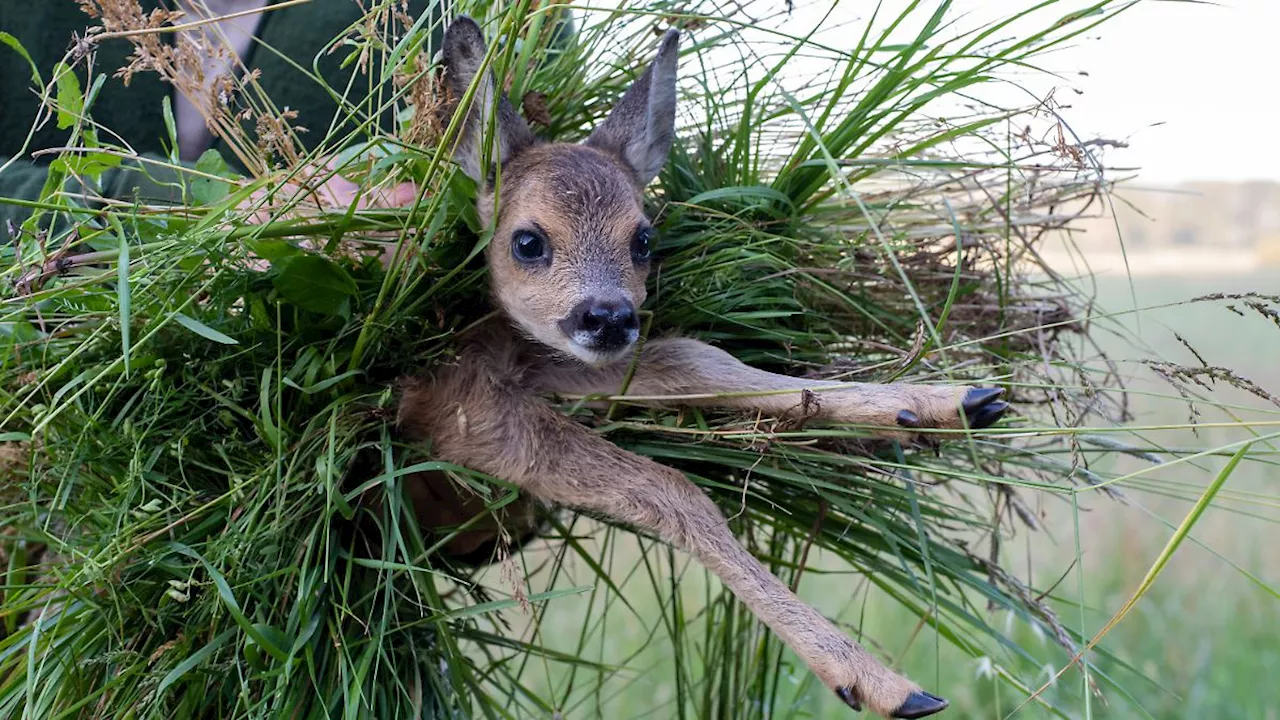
479	414
682	371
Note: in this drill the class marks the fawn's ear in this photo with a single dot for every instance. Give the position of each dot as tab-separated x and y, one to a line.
642	125
464	51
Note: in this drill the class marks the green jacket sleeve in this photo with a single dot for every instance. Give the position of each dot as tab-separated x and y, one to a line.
19	181
148	182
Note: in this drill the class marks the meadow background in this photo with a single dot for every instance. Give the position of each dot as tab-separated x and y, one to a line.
630	628
1203	643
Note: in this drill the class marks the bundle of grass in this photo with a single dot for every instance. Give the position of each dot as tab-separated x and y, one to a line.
197	407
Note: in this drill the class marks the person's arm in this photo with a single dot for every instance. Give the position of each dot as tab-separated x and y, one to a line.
151	182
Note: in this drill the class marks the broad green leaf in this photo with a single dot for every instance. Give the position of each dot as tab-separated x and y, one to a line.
90	165
274	251
70	96
253	649
204	190
313	283
12	42
203	330
20	331
742	194
170	127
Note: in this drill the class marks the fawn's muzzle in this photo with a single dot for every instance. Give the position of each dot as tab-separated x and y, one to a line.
602	325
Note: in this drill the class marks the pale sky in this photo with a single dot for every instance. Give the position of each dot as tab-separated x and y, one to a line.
1209	73
1194	88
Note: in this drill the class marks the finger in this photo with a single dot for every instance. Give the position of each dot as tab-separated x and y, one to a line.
340	192
402	195
254	205
405	194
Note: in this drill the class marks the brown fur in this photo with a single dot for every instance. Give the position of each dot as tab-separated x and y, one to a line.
480	413
485	411
585	203
681	371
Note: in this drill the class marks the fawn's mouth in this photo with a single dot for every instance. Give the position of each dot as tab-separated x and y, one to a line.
600	354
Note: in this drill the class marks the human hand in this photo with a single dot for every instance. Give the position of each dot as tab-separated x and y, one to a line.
322	188
319	188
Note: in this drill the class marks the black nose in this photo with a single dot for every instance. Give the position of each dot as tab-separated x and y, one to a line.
602	324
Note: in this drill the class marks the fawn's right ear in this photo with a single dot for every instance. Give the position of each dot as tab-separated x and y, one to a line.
464	51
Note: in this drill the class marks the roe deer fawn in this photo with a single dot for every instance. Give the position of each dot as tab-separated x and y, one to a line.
568	261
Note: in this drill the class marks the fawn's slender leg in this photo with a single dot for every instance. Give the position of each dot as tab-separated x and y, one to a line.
682	371
479	414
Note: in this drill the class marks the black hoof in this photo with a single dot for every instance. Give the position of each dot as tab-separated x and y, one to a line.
987	416
983	407
978	397
920	704
846	694
906	418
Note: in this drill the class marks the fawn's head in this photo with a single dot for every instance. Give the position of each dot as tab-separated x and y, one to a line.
571	243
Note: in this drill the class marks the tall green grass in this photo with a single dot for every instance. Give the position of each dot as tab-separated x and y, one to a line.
189	436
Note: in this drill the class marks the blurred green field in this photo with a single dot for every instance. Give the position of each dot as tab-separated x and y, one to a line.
1204	643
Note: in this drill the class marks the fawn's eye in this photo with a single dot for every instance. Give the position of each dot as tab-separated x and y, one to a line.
528	247
642	244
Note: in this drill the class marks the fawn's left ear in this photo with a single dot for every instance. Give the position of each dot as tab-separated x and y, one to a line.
642	125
